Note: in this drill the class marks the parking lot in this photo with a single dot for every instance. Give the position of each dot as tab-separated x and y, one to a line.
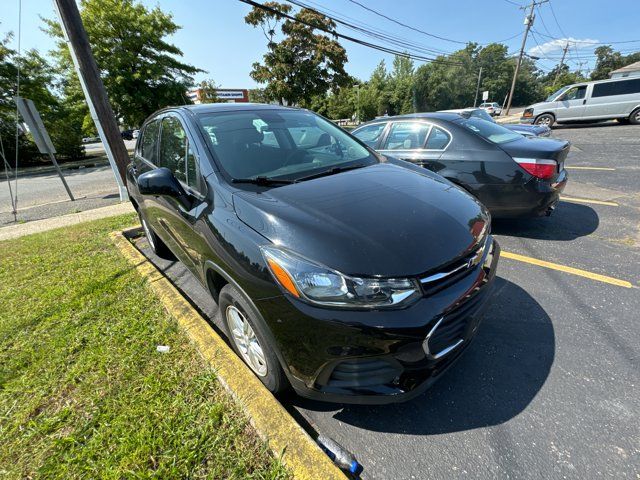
549	389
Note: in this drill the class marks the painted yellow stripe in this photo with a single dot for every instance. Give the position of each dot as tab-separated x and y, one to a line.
606	169
286	438
588	200
563	268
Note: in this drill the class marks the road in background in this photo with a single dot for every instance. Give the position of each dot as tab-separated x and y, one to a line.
550	387
42	195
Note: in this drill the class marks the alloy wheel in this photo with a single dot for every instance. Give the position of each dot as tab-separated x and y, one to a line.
245	339
545	121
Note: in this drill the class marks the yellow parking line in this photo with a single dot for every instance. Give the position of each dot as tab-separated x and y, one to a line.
563	268
588	200
607	169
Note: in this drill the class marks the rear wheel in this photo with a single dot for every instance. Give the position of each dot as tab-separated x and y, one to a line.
546	119
634	118
249	338
156	244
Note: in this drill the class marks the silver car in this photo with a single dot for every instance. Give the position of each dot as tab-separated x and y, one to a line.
617	98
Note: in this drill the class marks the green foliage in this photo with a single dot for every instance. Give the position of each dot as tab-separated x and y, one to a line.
140	68
38	83
208	91
83	391
608	60
304	63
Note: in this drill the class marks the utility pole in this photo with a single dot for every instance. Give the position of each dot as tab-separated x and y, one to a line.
475	100
564	54
528	21
94	92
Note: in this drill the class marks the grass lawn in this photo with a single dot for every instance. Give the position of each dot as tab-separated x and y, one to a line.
83	391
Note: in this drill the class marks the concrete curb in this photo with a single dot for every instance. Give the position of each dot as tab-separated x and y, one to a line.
285	437
37	226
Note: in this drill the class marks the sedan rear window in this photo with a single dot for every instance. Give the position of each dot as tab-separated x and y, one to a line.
283	144
491	131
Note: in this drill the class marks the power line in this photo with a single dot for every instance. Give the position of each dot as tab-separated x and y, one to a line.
397	41
595	43
381	48
405	25
556	19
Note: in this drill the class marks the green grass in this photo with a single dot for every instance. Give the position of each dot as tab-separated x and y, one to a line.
83	392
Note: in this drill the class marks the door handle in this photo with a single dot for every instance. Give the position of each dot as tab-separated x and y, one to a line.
584	101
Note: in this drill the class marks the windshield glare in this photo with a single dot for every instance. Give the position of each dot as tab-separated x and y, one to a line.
557	93
282	144
491	131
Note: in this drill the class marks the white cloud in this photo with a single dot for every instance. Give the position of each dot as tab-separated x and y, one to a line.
557	45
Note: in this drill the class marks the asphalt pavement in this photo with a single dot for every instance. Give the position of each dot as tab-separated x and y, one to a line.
550	387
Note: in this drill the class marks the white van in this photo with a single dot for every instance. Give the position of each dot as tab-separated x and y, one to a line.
617	98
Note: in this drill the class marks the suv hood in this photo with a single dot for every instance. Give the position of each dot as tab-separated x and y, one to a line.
381	220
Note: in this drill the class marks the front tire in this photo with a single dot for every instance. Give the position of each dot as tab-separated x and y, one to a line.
155	242
249	338
634	118
546	119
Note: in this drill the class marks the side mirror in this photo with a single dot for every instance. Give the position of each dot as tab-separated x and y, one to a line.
161	182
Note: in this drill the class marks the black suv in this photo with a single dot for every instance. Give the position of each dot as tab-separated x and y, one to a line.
348	275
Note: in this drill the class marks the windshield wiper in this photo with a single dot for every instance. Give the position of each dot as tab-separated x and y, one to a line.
263	181
331	171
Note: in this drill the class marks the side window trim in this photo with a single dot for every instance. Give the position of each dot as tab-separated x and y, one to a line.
445	131
190	143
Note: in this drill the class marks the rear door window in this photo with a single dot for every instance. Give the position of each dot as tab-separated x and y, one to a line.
177	155
438	139
149	142
406	136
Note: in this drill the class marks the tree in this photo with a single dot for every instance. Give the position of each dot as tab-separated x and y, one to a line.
140	68
450	81
37	82
607	60
304	63
208	91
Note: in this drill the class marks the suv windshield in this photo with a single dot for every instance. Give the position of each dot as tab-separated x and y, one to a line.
280	144
491	131
557	93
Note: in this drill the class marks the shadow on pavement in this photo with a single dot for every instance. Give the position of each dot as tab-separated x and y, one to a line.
494	381
568	222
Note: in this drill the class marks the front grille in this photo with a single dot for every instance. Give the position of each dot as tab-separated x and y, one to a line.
363	373
445	276
453	326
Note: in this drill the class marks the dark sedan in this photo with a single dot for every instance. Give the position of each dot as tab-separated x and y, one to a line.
511	175
525	129
348	275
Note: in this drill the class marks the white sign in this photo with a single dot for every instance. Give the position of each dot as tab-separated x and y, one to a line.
485	95
230	94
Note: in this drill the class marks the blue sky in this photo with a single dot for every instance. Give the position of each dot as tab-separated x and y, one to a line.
215	38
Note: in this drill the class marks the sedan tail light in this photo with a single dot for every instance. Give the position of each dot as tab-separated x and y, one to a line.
538	168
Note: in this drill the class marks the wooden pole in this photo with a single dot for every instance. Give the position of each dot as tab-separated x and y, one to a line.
94	90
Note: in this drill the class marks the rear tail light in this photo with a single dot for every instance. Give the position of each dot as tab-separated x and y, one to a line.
538	168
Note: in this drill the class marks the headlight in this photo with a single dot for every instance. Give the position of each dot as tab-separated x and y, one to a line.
321	285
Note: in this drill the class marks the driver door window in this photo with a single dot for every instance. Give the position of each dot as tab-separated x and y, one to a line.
576	93
177	155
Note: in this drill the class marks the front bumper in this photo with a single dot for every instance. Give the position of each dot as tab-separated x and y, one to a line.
381	356
529	120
